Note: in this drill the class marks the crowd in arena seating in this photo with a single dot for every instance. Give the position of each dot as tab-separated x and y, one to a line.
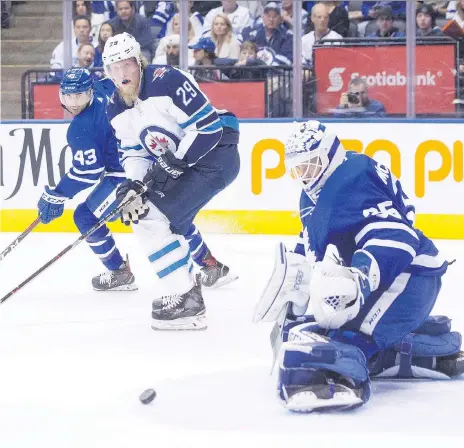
250	39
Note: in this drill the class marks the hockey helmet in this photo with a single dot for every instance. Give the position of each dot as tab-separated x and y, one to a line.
76	89
119	48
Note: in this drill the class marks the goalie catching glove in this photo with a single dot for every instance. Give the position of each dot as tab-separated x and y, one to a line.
338	292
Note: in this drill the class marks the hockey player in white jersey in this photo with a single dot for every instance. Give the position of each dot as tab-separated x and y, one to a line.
159	112
370	277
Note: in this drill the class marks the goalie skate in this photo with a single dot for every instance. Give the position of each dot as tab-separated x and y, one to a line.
215	274
330	394
180	311
117	280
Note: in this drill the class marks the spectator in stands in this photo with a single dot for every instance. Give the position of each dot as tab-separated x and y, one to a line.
85	8
204	7
227	46
458	16
385	26
106	31
173	27
425	21
356	102
166	13
82	28
248	58
438	6
370	11
338	18
81	8
204	54
451	9
85	56
270	34
138	26
170	54
239	17
287	15
256	7
322	32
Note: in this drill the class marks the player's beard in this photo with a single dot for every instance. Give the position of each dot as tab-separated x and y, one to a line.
130	94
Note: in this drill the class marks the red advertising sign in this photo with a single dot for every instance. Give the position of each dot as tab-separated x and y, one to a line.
244	99
384	69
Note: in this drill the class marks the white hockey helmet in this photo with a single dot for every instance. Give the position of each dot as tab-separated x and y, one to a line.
309	151
118	48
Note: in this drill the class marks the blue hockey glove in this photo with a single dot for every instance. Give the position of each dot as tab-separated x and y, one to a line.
137	209
165	172
51	205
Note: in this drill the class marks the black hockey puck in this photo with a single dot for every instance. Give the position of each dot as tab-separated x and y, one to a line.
147	396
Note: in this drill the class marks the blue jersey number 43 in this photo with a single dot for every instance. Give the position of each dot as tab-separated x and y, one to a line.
87	157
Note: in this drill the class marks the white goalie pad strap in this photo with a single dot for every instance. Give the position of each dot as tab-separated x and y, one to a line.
289	282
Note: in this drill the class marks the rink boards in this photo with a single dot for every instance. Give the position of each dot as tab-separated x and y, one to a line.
426	155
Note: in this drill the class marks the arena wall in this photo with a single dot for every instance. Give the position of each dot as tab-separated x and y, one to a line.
427	155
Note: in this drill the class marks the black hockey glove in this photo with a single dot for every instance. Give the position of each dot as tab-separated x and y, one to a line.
137	209
164	173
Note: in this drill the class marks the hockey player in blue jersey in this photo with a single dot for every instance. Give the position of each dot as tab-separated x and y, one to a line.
370	277
95	163
159	113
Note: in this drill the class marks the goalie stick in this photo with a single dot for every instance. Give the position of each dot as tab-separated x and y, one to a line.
23	235
73	245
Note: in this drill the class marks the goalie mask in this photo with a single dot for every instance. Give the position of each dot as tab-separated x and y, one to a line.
76	90
311	154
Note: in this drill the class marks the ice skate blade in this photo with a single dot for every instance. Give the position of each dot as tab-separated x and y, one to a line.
229	278
307	401
193	323
131	287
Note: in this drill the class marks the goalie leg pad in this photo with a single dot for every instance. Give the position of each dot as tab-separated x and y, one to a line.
289	282
318	374
432	352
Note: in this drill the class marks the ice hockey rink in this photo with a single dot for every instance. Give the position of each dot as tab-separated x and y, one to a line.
73	363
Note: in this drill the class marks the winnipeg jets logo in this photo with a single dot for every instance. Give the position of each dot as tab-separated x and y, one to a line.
157	142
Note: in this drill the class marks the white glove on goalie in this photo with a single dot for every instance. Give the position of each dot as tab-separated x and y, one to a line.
336	291
289	282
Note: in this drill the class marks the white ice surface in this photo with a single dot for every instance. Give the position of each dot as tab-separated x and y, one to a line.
73	363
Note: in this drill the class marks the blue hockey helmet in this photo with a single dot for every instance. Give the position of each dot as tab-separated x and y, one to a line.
311	154
76	89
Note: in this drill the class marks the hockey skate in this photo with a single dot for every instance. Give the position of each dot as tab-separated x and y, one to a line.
118	280
180	311
215	274
328	392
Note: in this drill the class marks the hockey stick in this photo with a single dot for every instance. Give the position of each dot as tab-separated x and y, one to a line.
23	235
73	245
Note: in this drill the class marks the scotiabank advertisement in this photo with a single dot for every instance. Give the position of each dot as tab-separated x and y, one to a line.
384	69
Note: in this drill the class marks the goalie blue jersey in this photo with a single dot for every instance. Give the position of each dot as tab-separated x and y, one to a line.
363	206
93	145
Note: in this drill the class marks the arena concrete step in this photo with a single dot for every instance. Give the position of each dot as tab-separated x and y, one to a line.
39	8
32	51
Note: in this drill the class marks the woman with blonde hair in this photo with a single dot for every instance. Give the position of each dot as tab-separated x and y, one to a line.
173	31
227	46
